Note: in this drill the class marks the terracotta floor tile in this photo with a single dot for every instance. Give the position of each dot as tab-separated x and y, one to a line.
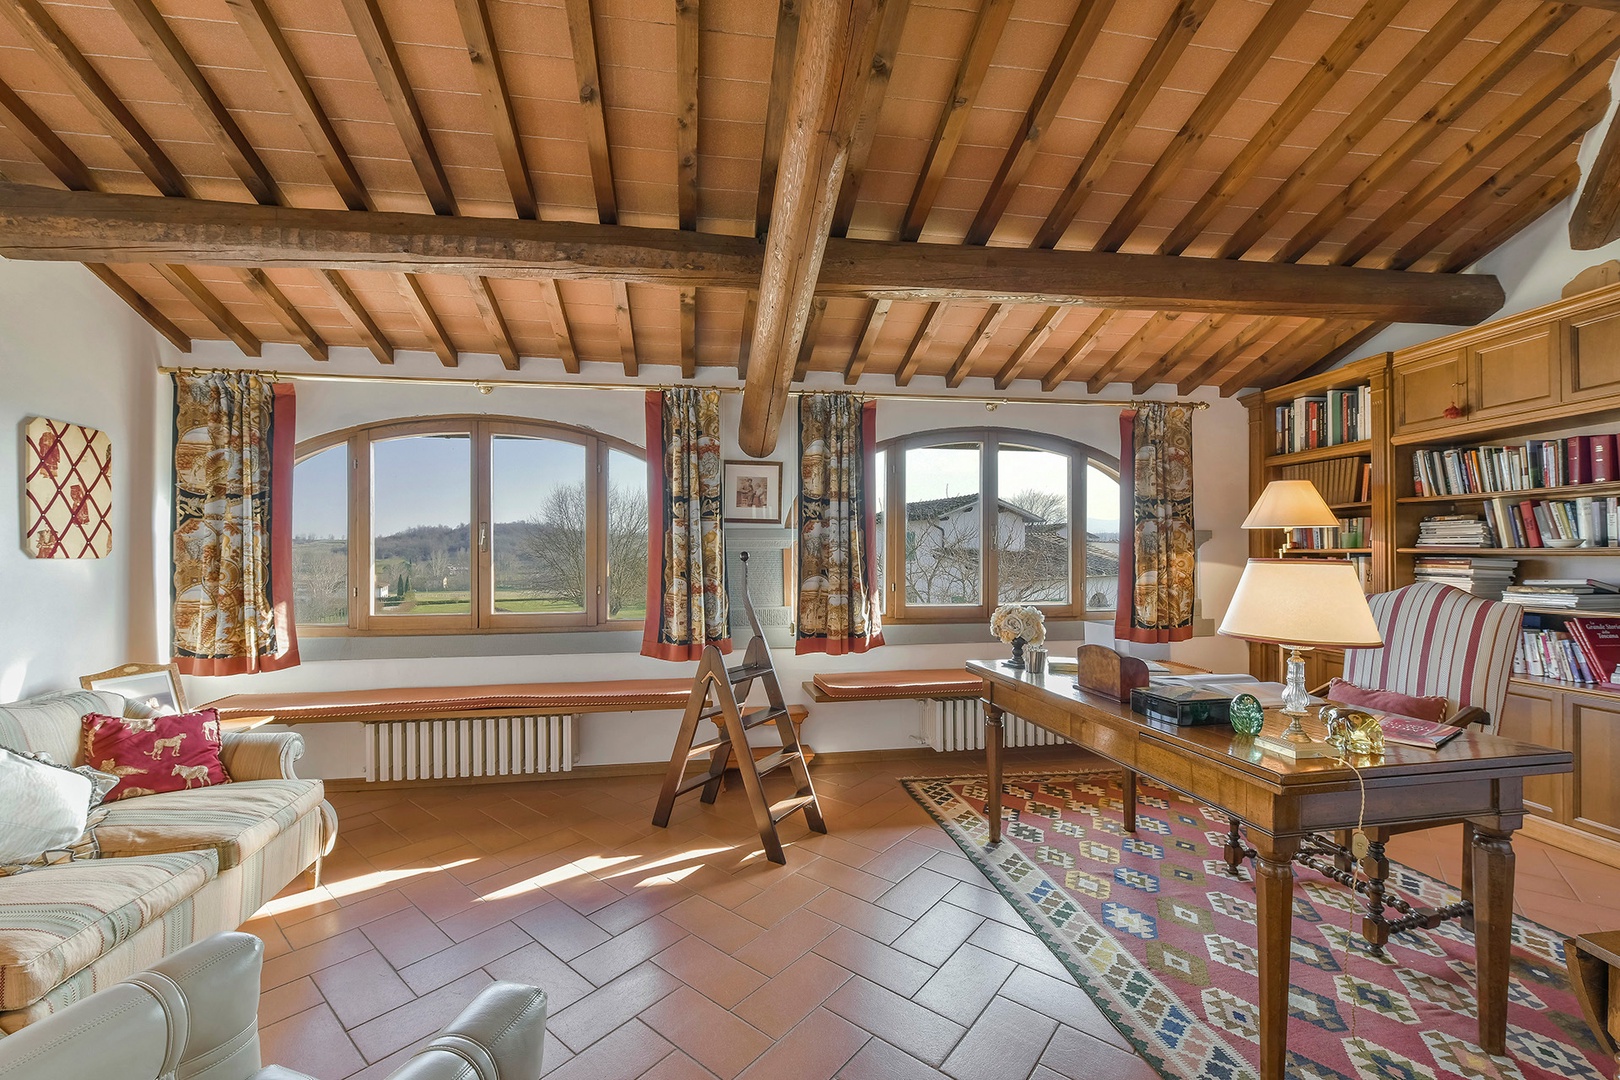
920	1032
1007	1040
384	1068
462	958
619	954
830	845
725	930
938	933
709	971
405	936
561	929
303	934
638	905
535	965
814	1050
628	1052
965	984
415	1019
492	910
715	1039
362	988
797	991
952	863
1019	945
985	901
779	900
677	1066
313	1042
847	879
773	950
603	1010
916	893
1063	1001
287	1000
1078	1056
877	1060
876	923
301	962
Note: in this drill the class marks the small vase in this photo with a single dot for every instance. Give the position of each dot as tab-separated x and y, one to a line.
1017	661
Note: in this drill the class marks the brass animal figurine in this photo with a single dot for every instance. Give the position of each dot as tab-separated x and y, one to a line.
1353	731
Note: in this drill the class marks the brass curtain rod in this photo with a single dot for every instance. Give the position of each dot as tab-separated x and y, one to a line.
485	386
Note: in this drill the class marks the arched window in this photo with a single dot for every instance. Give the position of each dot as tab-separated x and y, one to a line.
1052	539
459	524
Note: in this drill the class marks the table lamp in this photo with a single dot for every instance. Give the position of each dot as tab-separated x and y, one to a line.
1300	604
1290	504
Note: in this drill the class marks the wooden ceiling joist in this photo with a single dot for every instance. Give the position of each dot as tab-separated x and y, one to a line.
983	335
1028	347
688	303
582	33
141	306
920	344
776	106
876	314
560	330
349	305
416	298
1225	355
1077	351
187	285
982	43
1281	361
807	347
1508	223
43	143
1595	219
688	43
1178	353
860	147
259	283
627	329
1129	351
485	57
489	310
745	340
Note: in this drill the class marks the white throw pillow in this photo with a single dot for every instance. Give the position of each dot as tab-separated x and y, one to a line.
43	805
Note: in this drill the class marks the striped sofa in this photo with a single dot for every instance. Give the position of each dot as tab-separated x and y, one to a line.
174	868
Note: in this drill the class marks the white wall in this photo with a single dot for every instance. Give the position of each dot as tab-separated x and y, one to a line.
71	350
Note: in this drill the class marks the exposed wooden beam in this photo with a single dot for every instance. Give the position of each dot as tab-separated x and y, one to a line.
983	334
689	333
627	329
1562	138
1224	356
210	305
876	314
1417	64
559	325
1173	39
1177	354
146	23
746	342
1128	351
485	56
1280	356
1245	64
920	343
981	46
141	305
50	42
1077	351
687	51
489	309
1315	364
1032	341
582	32
782	57
378	45
358	317
1515	218
44	225
44	143
860	147
1528	104
262	31
259	283
1595	219
1059	79
807	347
1357	35
416	298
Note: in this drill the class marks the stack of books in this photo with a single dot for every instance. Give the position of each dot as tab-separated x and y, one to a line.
1576	594
1455	530
1486	576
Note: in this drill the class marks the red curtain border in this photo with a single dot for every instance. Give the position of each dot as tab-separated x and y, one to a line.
1125	606
283	445
802	646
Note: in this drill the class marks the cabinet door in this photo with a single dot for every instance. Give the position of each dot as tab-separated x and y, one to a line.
1514	372
1322	666
1592	353
1534	715
1595	724
1425	389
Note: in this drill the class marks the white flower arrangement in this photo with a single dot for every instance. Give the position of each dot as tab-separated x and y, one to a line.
1011	621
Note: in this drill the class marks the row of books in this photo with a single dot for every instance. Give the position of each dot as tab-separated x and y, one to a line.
1573	594
1340	480
1535	463
1338	416
1487	576
1587	521
1584	652
1351	533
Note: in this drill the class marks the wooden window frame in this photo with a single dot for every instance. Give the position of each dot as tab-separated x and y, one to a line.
481	430
989	440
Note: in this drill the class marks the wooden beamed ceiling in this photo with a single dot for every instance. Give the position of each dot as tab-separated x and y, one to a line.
1085	191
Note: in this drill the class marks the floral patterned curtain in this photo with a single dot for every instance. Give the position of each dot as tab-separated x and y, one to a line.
232	544
1156	514
838	602
686	574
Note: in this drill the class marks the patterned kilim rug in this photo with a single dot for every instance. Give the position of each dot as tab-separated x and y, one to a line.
1162	938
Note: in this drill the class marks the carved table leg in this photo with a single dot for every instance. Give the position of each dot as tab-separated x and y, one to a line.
1493	931
1274	918
1376	866
992	756
1467	886
1128	794
1235	848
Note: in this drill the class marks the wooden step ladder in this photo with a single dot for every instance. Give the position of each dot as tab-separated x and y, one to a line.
716	696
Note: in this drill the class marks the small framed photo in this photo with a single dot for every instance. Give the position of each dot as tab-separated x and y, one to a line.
752	492
147	689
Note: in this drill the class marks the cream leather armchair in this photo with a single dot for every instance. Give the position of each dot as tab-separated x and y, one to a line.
195	1015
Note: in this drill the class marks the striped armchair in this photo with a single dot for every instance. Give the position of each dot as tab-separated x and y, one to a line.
1441	642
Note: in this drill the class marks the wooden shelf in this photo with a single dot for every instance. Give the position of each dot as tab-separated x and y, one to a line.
1351	509
1508	551
1568	688
1538	609
1295	552
1320	453
1565	492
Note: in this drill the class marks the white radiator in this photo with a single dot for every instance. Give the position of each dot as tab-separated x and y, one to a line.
482	746
959	725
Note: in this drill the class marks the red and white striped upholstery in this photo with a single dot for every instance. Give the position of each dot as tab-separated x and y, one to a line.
1440	641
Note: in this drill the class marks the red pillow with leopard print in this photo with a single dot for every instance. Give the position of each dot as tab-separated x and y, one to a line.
154	754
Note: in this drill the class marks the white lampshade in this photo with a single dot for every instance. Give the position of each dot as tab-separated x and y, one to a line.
1290	504
1305	602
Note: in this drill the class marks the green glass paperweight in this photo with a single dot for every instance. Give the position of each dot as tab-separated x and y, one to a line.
1246	714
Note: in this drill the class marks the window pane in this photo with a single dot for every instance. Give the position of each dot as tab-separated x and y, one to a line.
880	488
538	508
1102	540
1032	526
627	536
320	516
421	501
942	524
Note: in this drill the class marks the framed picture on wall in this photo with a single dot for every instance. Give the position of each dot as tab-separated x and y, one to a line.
751	491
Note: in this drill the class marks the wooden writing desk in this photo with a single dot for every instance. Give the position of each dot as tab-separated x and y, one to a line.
1475	777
